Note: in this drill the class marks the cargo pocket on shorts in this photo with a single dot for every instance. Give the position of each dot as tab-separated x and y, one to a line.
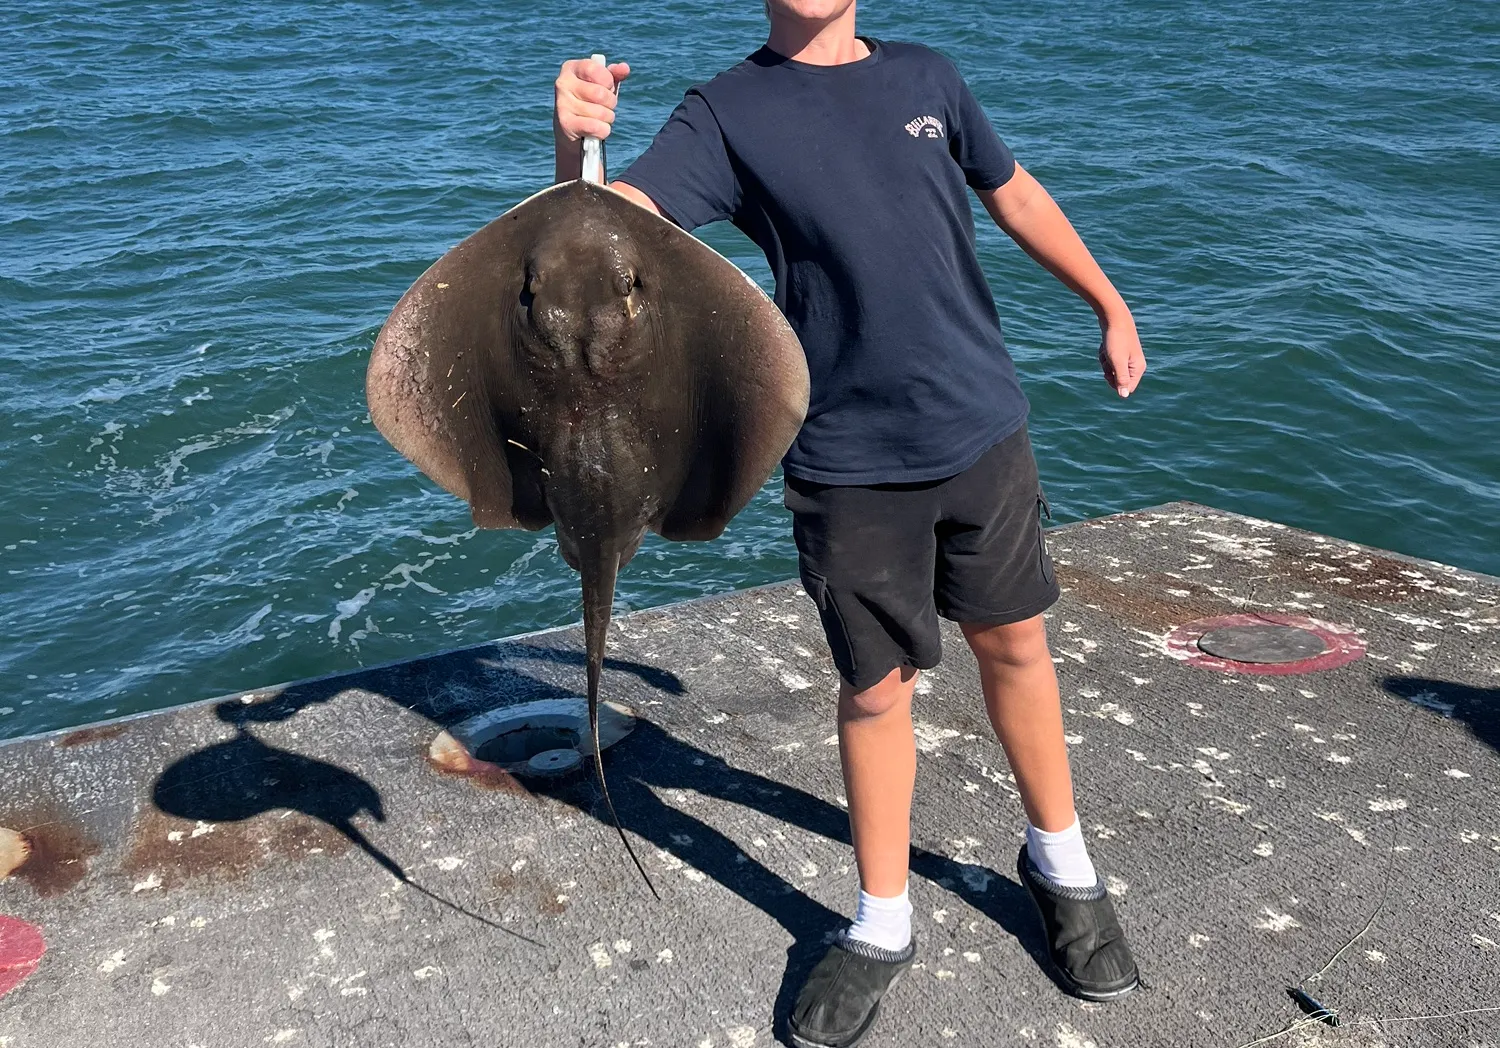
833	623
1043	508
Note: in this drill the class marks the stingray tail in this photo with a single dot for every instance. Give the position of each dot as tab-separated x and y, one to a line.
598	598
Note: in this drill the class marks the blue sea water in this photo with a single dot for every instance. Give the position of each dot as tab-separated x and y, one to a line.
207	209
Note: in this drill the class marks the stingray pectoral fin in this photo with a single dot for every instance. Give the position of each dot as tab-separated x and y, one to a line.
443	384
750	388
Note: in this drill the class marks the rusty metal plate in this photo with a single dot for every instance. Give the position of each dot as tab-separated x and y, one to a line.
1263	644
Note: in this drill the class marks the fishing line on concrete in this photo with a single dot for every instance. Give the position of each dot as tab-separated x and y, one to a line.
1315	1010
1296	1024
1413	1018
1390	865
1301	1023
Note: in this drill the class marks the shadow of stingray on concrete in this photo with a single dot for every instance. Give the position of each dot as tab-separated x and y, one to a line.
243	778
1479	708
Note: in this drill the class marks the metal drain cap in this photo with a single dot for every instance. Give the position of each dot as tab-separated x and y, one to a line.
1265	644
554	762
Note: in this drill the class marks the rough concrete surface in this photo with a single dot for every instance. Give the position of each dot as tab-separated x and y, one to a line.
287	868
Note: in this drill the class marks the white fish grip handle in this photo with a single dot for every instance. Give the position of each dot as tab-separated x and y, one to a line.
593	150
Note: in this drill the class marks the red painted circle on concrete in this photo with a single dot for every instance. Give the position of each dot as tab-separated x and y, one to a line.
21	949
1342	644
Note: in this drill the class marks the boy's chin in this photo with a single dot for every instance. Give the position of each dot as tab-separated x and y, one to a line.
810	10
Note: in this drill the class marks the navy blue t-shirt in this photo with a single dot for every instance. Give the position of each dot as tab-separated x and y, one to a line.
851	178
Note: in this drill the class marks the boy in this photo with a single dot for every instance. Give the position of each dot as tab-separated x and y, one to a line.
912	484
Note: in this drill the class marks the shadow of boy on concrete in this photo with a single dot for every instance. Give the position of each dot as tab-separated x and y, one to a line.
653	758
1479	708
243	777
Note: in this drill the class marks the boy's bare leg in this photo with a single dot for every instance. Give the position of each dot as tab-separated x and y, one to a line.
879	756
1084	938
842	994
1021	695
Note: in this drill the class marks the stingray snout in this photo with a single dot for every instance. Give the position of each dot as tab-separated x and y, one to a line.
585	323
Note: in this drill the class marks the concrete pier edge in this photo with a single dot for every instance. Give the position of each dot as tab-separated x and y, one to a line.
1052	531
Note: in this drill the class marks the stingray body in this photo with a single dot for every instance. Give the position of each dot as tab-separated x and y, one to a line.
582	362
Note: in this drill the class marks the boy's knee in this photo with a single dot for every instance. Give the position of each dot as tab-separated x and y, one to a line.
892	693
1013	646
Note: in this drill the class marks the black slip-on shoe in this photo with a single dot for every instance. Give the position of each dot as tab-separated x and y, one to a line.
1084	938
841	998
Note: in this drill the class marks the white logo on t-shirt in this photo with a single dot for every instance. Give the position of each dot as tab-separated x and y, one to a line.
931	126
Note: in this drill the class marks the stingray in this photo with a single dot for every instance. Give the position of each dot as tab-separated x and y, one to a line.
582	362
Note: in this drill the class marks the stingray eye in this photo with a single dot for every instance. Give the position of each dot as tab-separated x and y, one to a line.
624	283
528	290
633	303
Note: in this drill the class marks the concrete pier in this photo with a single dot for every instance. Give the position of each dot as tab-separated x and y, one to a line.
288	867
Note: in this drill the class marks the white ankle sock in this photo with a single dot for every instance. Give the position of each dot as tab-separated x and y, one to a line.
1061	857
882	922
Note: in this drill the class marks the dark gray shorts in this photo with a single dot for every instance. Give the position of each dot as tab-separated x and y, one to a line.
882	562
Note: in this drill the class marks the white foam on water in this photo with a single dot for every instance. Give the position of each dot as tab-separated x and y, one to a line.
347	609
245	633
408	573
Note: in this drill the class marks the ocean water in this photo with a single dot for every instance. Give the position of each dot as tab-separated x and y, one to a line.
207	210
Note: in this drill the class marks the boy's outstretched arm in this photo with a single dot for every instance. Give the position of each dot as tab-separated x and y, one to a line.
1033	220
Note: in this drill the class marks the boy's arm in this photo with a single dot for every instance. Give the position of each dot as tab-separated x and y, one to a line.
1033	220
635	196
584	101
